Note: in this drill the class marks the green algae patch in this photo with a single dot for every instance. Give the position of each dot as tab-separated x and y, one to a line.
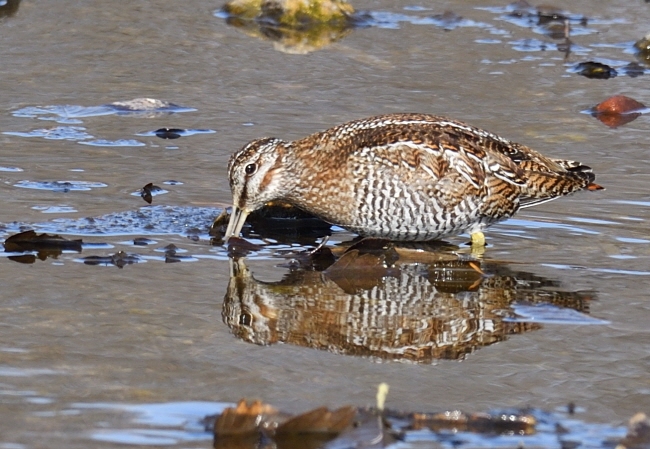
291	13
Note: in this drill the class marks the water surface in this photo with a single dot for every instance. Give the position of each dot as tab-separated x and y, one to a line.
154	332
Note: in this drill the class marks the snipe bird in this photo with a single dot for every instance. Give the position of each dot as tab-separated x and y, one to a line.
405	177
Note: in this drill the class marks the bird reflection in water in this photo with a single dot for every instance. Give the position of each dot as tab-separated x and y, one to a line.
373	305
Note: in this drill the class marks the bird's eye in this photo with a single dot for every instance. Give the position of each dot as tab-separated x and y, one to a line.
250	169
245	319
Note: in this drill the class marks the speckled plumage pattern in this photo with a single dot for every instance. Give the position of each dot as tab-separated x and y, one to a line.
411	177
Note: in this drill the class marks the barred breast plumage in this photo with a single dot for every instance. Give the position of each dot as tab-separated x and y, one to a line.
409	177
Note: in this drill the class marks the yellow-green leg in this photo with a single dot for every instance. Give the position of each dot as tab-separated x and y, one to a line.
478	239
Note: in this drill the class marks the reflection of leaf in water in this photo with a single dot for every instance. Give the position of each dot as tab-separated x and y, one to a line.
418	312
357	270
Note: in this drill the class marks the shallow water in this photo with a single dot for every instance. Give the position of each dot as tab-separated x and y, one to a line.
75	337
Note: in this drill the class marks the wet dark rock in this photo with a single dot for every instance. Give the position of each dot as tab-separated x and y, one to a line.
595	70
45	245
119	259
169	133
633	69
642	47
617	110
448	20
142	241
238	247
290	13
9	7
281	222
296	26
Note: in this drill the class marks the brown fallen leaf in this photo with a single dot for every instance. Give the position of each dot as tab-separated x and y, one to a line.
502	423
242	420
320	420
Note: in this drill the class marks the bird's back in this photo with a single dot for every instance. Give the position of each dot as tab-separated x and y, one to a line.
419	176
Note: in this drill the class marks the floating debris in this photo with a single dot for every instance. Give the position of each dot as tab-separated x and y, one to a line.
595	70
617	110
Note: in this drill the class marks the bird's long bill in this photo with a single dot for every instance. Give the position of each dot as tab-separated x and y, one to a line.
237	219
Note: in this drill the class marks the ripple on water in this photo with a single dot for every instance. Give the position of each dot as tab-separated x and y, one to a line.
113	143
186	416
58	133
148	220
61	209
60	186
71	114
